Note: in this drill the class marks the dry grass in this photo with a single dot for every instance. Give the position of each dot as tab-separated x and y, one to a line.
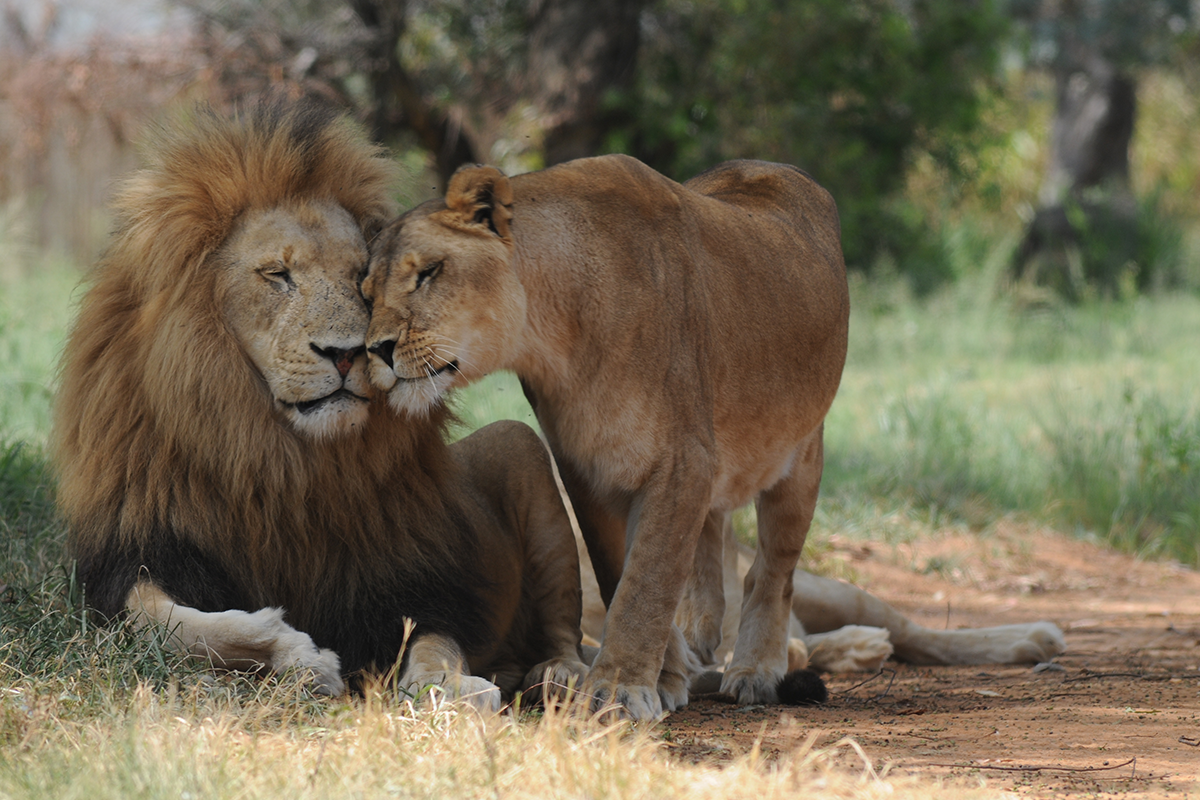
209	742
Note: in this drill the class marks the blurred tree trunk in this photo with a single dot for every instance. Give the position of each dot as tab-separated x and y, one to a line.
579	51
1085	228
1093	125
399	102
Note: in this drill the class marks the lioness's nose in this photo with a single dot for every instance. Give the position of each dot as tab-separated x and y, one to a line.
342	357
384	350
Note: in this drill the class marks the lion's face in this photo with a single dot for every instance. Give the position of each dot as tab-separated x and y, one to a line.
288	285
446	306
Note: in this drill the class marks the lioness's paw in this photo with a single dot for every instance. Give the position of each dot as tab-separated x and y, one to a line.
326	674
703	636
853	648
638	703
749	685
673	690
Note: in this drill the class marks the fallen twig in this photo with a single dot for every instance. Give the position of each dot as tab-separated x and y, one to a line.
1044	768
1166	676
860	684
1190	741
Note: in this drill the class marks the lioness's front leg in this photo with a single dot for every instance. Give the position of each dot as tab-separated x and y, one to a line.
785	512
644	662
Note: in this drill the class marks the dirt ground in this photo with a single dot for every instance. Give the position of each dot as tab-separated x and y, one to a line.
1117	714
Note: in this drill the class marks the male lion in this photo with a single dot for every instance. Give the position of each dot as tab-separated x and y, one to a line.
218	467
680	346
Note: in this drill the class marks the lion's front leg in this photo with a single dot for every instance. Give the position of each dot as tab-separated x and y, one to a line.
437	662
237	639
552	591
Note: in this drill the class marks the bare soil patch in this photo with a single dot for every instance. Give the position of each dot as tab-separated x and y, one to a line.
1117	714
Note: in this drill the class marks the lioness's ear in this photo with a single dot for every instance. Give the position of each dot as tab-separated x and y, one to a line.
481	196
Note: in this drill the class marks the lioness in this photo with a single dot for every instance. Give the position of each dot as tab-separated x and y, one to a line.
224	469
680	346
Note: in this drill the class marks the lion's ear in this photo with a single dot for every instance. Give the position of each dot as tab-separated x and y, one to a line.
481	196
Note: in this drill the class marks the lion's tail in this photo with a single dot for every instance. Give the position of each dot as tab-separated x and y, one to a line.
800	687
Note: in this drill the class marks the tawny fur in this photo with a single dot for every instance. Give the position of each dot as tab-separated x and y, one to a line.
680	344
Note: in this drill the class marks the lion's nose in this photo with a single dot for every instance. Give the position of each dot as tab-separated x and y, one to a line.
385	351
342	357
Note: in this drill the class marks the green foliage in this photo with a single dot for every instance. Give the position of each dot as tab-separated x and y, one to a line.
849	91
1102	249
1128	32
1130	467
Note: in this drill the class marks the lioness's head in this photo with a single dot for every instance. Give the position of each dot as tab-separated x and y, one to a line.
446	306
288	287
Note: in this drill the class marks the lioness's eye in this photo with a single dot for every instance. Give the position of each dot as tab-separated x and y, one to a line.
429	273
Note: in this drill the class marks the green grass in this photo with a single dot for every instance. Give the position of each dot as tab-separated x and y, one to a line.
35	307
972	406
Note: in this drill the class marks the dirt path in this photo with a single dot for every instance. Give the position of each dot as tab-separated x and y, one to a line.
1118	714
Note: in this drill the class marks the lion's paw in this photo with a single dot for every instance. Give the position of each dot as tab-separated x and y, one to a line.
749	685
556	678
480	693
1041	641
853	648
295	650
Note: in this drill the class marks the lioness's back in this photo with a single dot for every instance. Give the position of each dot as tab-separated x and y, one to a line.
782	190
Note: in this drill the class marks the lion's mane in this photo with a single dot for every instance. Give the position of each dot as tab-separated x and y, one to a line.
173	464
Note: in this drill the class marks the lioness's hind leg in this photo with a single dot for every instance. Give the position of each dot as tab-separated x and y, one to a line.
237	639
785	511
